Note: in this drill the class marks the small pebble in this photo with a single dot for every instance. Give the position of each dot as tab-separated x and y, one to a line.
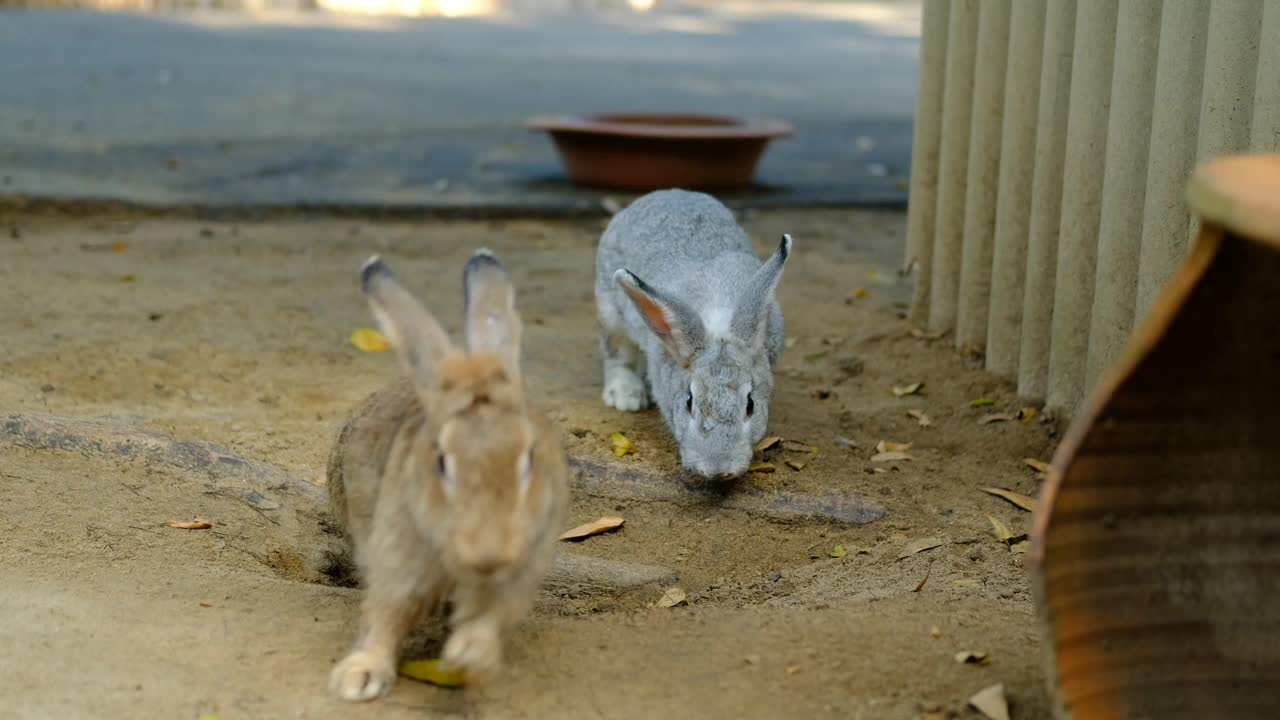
775	576
46	388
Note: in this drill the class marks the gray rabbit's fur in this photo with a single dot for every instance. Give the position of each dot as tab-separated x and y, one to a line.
688	318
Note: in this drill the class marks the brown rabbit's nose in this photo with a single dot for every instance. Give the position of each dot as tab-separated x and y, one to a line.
487	563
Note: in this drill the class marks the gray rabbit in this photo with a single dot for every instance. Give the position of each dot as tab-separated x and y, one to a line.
685	304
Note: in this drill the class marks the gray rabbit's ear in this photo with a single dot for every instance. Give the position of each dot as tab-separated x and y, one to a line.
752	311
678	327
417	338
492	322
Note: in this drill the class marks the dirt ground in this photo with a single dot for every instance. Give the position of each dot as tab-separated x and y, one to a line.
236	333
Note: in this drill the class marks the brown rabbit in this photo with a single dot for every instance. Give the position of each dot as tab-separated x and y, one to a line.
449	483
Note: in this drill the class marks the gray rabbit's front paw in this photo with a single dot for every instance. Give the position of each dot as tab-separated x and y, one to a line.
624	391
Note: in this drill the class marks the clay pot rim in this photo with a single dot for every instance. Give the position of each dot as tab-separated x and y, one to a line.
664	126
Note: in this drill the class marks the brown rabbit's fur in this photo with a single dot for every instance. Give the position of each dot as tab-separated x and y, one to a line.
486	544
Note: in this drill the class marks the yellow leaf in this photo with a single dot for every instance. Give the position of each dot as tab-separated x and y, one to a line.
432	671
1026	414
1003	533
621	445
120	247
1022	501
369	340
762	467
919	546
795	465
838	551
920	417
797	446
768	443
126	277
981	402
206	716
1019	547
892	456
969	657
198	523
885	446
859	293
595	527
671	598
991	702
912	389
1037	465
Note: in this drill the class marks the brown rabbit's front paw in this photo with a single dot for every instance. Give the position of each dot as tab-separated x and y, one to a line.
361	676
476	649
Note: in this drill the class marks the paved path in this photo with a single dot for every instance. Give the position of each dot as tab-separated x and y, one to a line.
311	109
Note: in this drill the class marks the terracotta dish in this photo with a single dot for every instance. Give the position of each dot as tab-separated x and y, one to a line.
651	151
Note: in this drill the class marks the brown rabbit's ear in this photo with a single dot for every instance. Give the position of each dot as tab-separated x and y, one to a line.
492	323
418	339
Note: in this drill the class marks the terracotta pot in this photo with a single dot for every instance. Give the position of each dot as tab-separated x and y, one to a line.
651	151
1156	544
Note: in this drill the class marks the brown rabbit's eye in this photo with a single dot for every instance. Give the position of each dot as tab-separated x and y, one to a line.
751	405
440	464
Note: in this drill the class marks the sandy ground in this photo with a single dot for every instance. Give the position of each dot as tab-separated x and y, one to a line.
236	333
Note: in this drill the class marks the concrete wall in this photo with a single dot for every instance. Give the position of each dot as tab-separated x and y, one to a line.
1053	142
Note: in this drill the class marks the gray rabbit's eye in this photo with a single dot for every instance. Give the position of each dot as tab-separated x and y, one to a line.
688	402
751	405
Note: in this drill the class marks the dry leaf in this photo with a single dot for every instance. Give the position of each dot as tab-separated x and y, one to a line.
1019	547
981	402
885	446
994	418
621	445
1003	533
431	671
923	335
920	417
969	657
964	582
126	277
859	293
991	702
768	443
671	598
120	247
838	551
198	523
925	579
912	389
793	669
795	465
892	456
1037	465
595	527
1022	501
797	446
762	467
1026	414
369	340
919	546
